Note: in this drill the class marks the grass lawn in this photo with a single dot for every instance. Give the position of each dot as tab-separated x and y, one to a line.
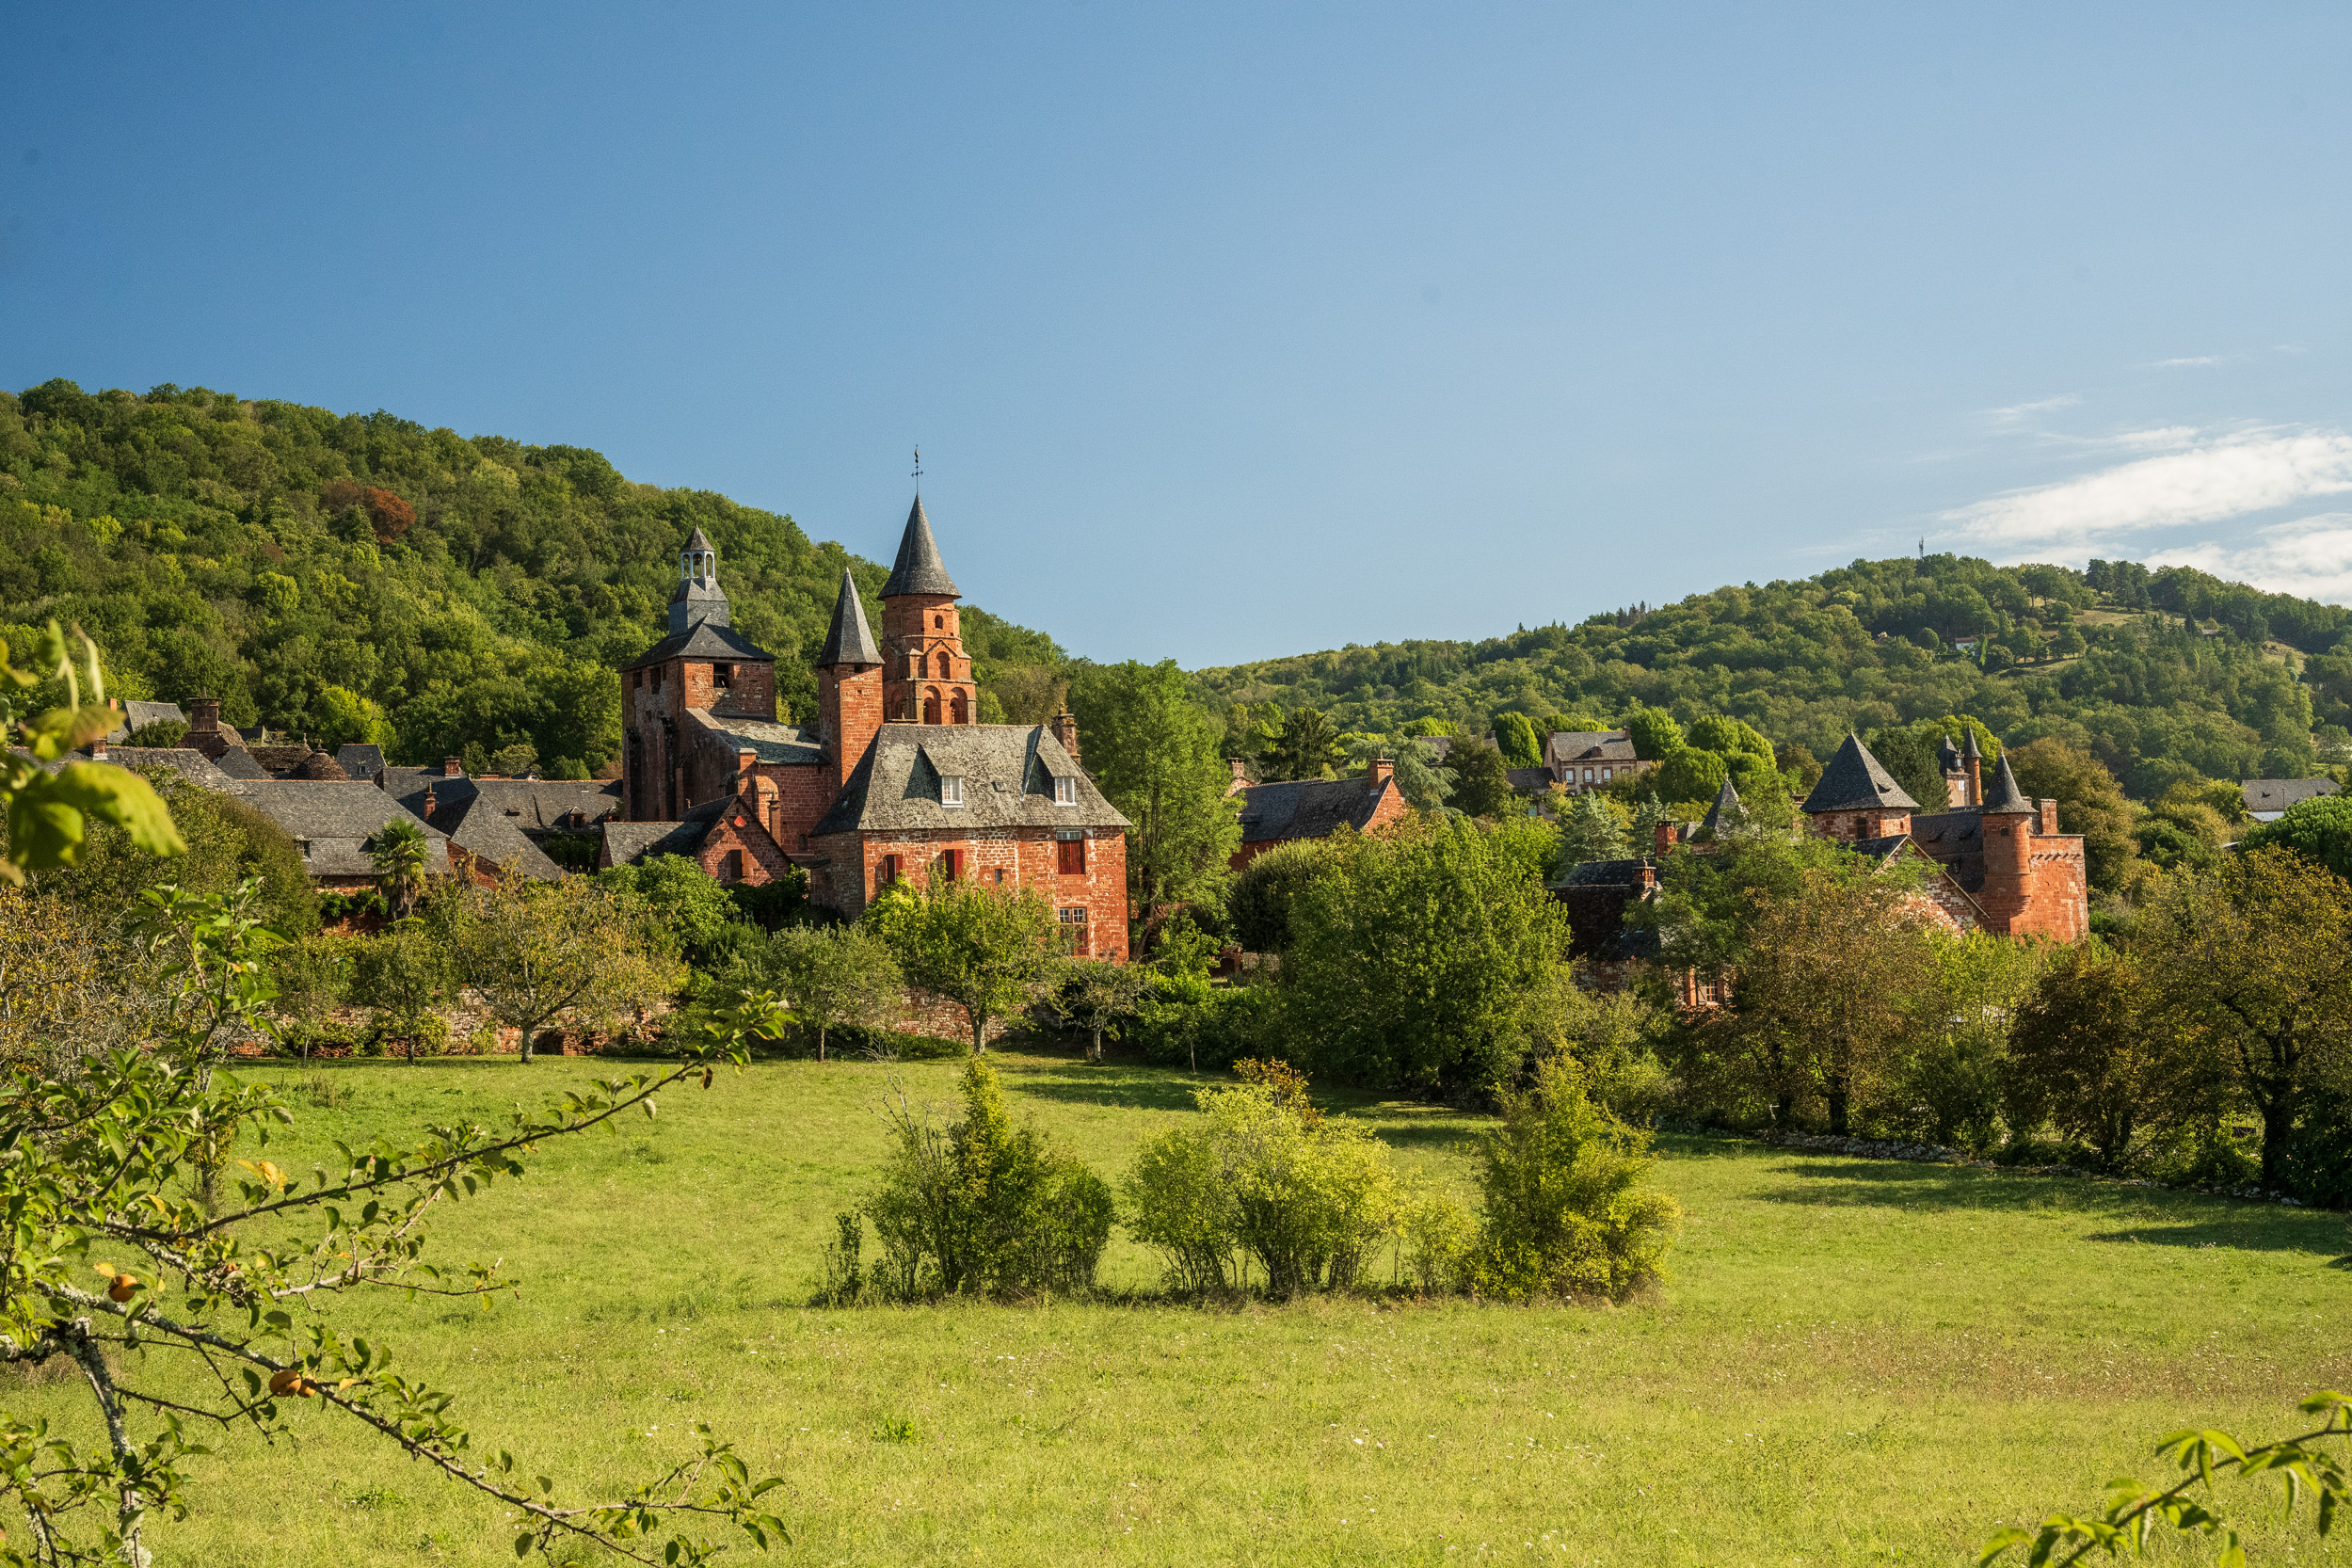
1854	1361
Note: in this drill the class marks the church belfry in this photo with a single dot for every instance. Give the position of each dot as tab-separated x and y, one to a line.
926	678
698	599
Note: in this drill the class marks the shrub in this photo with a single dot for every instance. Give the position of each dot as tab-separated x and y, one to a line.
1307	1197
1264	891
1564	1209
1187	1022
984	1207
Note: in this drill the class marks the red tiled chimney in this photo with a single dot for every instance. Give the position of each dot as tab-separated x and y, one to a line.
1379	771
1669	835
452	767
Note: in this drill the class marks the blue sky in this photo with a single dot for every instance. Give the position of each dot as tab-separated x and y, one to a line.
1233	331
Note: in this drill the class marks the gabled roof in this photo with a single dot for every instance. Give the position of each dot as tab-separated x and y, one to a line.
1588	745
704	640
775	742
1308	807
851	640
192	765
1956	840
237	762
1008	771
335	821
1855	781
919	569
2277	794
493	835
2002	796
534	805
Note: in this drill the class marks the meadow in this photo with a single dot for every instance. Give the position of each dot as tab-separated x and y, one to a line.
1854	1362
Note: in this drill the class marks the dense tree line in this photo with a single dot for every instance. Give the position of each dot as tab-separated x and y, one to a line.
2161	676
360	577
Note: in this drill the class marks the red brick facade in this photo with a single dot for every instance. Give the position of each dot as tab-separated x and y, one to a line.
1089	904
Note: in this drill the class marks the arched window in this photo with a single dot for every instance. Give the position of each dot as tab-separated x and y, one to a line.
942	662
931	706
957	712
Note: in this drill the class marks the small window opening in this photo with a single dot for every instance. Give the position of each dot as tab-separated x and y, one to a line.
1073	930
1069	852
950	864
1066	792
722	675
951	788
938	623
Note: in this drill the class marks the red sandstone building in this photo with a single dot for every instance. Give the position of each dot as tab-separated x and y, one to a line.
896	781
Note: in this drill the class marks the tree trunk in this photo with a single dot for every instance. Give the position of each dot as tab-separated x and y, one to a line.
1094	1051
526	1045
980	1034
1837	1108
821	1042
2278	1128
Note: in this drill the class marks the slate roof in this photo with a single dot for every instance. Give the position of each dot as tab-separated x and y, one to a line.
1529	780
1726	799
1563	746
1307	807
1969	747
704	639
1008	771
2003	795
1855	781
237	762
791	743
360	760
333	823
919	569
696	540
190	765
534	805
279	760
626	842
2277	794
851	640
1948	755
482	830
318	765
1955	839
137	715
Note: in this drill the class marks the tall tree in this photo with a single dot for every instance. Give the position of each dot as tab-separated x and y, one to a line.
1158	756
2256	958
988	950
1481	785
1515	737
830	975
2110	1070
1834	974
2319	829
1094	994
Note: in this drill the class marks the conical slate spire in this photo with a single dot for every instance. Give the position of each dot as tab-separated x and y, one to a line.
1726	807
2004	795
696	540
919	569
850	641
1856	781
1968	747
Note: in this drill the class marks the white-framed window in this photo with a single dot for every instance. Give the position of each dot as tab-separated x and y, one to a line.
1066	792
951	788
1604	776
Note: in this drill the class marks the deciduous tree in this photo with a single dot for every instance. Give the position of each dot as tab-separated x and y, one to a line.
536	951
1158	756
987	949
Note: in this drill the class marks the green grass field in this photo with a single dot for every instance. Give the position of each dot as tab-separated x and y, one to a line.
1854	1362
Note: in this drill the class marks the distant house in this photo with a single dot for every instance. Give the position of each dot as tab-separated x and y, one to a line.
361	762
1580	761
2267	799
1316	807
138	715
723	837
331	822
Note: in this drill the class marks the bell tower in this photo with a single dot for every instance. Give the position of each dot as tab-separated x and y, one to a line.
926	678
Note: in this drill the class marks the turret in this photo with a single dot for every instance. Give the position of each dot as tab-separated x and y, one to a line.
697	597
849	686
1857	798
926	678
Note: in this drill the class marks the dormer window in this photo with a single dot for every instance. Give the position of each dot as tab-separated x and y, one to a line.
951	788
1066	792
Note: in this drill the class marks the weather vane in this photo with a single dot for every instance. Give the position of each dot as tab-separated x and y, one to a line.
919	471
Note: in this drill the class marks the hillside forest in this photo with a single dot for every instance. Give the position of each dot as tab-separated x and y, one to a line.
360	577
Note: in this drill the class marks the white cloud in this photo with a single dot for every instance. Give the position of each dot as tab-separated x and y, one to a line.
2192	361
2206	483
2311	556
2018	412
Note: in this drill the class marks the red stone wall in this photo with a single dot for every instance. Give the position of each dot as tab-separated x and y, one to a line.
740	831
849	716
917	631
1026	857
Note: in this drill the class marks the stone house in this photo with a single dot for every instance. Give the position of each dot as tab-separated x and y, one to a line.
895	779
2267	799
1580	761
1316	807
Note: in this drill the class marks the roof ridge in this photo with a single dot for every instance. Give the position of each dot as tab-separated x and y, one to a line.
1857	781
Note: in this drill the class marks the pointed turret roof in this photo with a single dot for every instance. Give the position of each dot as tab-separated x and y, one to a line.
1726	805
2004	795
1968	747
919	569
696	541
1947	755
1856	781
850	641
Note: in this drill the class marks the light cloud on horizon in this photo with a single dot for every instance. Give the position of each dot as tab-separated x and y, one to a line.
2206	483
2311	556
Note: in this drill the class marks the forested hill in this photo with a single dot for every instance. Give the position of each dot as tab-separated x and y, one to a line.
2159	675
363	576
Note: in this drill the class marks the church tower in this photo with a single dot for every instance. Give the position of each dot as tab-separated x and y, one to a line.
849	688
925	677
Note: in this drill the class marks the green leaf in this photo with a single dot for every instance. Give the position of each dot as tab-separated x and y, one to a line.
122	797
522	1544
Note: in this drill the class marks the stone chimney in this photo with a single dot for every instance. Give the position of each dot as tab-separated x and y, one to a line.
2049	813
431	804
98	749
1669	835
1065	730
204	731
1379	771
452	767
748	774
